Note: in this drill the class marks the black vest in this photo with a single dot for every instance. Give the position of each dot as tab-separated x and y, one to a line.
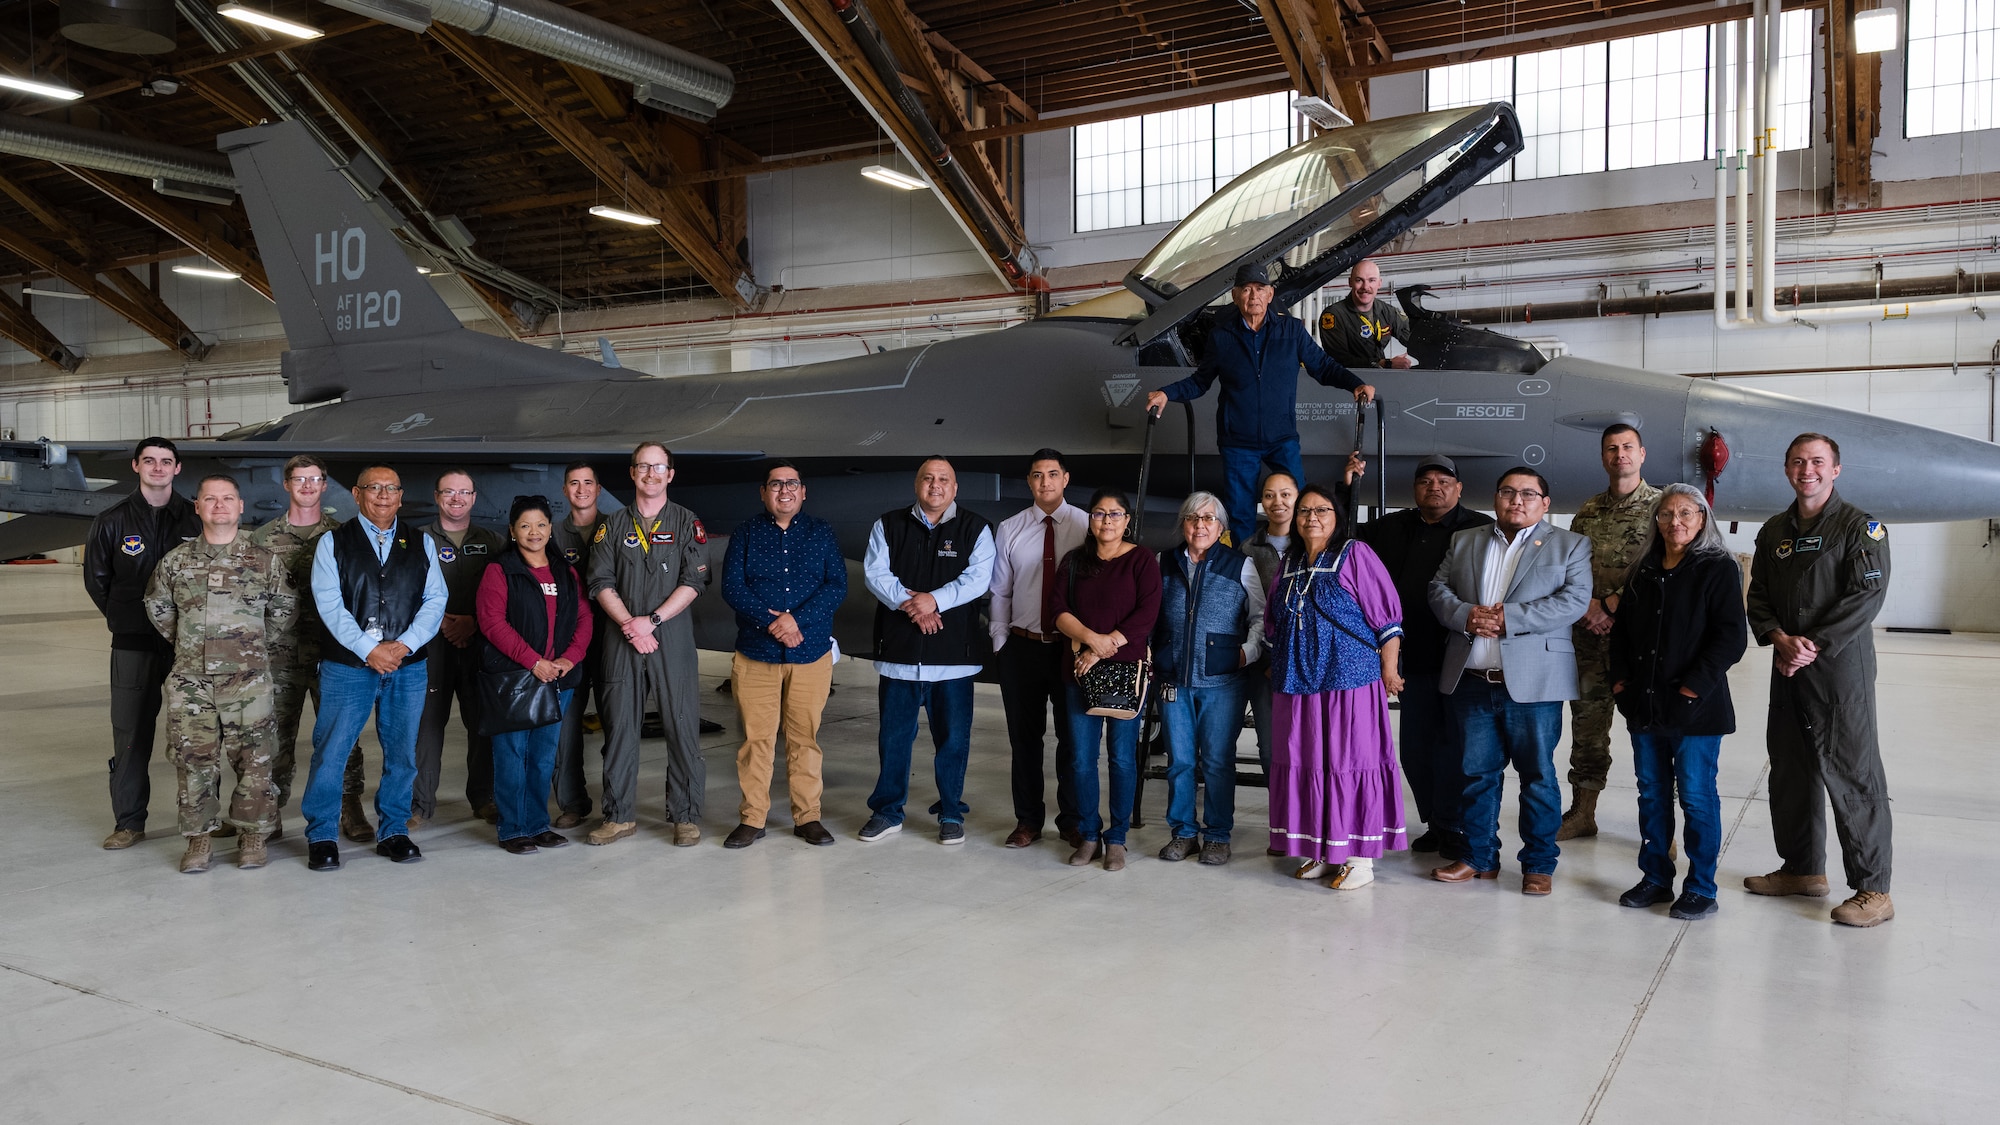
527	613
383	595
923	559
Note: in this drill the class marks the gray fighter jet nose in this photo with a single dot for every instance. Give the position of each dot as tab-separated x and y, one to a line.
1920	474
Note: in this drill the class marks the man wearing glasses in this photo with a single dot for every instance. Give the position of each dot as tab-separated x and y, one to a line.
296	634
381	595
648	563
127	541
1509	594
784	576
463	551
929	565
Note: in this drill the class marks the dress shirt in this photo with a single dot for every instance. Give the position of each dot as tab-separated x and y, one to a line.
340	624
888	589
1017	566
1503	554
797	570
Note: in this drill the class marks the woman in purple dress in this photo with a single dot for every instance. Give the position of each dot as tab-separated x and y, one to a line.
1336	627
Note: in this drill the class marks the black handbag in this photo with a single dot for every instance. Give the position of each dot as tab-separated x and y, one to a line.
514	700
1116	689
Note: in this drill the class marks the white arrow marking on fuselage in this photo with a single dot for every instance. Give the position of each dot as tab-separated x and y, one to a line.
1432	412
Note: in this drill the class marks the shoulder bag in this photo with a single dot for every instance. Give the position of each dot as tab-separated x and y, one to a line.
1113	689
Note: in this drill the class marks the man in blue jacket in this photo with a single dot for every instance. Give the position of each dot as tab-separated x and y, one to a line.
1257	355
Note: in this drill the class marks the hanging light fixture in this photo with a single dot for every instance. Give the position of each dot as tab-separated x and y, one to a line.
620	215
893	178
1875	31
215	273
269	21
40	89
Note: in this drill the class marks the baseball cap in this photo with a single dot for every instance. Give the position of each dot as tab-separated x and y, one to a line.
1253	273
1439	462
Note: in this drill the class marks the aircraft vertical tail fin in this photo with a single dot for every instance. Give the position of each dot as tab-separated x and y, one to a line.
338	275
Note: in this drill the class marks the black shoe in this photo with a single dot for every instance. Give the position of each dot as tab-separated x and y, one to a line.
519	845
951	832
1428	842
547	839
742	836
399	849
1646	893
814	833
323	855
1692	907
710	727
1452	846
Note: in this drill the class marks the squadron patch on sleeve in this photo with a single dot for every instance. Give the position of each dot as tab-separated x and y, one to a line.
601	529
1877	531
700	532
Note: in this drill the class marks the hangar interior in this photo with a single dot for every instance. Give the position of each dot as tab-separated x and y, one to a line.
876	984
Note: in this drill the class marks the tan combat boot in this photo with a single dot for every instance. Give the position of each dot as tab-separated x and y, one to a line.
250	851
1782	882
196	858
1866	908
354	820
611	832
1581	819
686	834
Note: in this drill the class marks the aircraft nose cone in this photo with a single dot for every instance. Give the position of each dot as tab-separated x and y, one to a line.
1893	470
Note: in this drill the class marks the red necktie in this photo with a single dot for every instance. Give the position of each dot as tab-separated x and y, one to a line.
1048	574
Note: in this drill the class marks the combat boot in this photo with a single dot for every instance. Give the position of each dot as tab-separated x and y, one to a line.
354	820
250	852
1866	908
1781	882
1581	819
196	858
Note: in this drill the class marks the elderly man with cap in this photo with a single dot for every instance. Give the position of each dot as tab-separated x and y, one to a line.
1412	543
1256	352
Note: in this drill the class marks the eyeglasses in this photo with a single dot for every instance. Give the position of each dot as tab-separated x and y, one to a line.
1678	517
309	482
784	485
1315	513
650	468
1113	514
1202	520
380	489
455	493
1527	494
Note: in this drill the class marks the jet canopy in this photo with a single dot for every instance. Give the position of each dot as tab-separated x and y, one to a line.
1321	206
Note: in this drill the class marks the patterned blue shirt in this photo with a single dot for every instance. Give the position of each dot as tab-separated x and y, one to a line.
798	570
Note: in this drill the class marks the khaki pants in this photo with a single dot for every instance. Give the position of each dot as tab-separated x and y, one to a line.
769	696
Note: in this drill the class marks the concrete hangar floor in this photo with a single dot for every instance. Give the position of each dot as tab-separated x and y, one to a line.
907	982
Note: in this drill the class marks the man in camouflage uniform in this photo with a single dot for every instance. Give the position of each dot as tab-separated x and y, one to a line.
214	598
1618	521
295	639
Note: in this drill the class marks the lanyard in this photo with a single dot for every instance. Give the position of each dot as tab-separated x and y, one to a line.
646	535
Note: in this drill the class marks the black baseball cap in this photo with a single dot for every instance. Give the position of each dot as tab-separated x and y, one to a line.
1439	462
1253	273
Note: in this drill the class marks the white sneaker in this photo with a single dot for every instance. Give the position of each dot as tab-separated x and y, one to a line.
1356	872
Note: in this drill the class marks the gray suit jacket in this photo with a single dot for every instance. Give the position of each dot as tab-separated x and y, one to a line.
1550	591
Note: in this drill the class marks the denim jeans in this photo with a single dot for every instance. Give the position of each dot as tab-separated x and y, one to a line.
1121	738
347	694
949	703
1243	471
1668	764
523	761
1202	725
1496	731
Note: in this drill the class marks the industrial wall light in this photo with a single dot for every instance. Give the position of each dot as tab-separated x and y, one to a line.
269	21
40	89
620	215
1875	31
893	178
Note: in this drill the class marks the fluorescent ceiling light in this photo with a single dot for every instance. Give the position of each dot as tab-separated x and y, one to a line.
1321	112
43	89
617	215
1875	31
55	293
207	271
893	178
400	13
258	17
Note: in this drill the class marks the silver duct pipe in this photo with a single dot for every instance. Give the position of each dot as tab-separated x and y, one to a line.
112	152
662	76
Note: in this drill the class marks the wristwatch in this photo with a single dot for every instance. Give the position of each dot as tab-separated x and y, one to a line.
654	617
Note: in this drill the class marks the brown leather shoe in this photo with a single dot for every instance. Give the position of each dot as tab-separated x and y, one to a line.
1085	852
568	820
1537	885
354	820
123	838
1781	882
814	833
1462	872
686	834
1071	836
1022	836
1114	857
741	836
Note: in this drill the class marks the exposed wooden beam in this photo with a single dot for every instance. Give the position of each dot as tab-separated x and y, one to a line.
739	171
170	332
184	224
1853	107
20	326
907	37
1298	31
686	222
1340	53
222	92
196	64
1200	95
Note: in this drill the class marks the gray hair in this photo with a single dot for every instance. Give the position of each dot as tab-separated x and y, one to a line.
1708	542
1196	501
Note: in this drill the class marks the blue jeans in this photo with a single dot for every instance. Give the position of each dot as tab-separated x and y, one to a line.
1683	763
346	695
1121	739
949	703
523	762
1243	471
1202	725
1496	731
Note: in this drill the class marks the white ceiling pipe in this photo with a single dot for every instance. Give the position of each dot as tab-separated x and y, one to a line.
1769	61
1722	120
1743	127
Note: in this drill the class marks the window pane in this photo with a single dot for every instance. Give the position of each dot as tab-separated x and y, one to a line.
1157	167
1951	67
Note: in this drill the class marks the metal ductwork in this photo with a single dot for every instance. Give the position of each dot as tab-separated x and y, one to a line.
131	27
112	152
664	77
